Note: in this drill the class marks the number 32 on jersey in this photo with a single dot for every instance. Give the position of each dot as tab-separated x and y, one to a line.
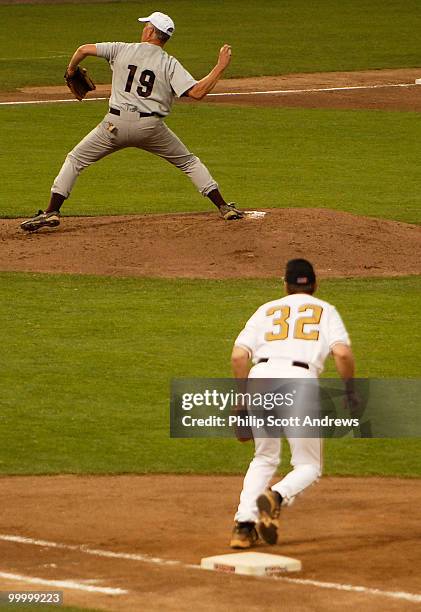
281	320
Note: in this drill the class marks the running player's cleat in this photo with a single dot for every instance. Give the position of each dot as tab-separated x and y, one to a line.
42	219
244	535
269	506
229	212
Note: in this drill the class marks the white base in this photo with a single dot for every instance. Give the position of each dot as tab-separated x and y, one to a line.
251	564
417	81
254	214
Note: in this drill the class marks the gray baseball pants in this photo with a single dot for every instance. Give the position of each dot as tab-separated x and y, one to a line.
129	130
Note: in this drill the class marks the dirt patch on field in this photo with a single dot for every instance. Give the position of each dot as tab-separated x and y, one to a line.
368	89
359	532
202	245
391	89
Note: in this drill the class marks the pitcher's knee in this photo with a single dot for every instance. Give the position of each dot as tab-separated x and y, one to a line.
76	162
66	178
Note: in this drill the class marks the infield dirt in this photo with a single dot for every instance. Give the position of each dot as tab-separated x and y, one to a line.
345	530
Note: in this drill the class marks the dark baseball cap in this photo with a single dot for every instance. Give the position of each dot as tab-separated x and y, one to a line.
299	272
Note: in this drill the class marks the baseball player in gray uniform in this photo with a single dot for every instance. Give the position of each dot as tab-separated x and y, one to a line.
290	337
145	82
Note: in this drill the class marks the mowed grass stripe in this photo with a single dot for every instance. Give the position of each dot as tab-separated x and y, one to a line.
87	363
363	162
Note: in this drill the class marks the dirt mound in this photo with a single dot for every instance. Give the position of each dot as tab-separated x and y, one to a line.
202	245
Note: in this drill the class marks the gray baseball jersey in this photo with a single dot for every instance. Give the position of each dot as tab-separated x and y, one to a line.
145	77
145	80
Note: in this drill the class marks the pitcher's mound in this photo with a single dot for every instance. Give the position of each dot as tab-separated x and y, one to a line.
202	245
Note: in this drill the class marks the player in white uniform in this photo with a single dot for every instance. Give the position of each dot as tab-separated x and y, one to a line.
286	338
145	82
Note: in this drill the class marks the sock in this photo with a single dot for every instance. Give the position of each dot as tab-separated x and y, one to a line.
56	200
216	198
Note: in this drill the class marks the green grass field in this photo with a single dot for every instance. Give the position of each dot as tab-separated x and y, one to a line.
363	162
89	363
86	361
280	37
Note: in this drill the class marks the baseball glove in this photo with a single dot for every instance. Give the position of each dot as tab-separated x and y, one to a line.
79	83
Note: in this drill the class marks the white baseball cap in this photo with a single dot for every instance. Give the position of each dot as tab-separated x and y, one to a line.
160	21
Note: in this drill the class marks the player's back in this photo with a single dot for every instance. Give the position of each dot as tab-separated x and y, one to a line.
297	327
145	77
145	57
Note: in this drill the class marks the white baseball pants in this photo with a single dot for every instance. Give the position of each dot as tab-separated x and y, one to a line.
147	133
306	454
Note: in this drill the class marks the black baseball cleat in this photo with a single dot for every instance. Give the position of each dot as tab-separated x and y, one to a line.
244	535
269	506
230	212
41	219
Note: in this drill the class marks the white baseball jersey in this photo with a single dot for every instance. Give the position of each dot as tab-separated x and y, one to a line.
298	327
145	77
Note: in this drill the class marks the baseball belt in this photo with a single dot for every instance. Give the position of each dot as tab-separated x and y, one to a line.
115	111
298	364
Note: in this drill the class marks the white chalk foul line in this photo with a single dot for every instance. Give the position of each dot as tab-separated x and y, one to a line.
30	59
232	93
20	102
62	584
412	597
310	90
95	552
